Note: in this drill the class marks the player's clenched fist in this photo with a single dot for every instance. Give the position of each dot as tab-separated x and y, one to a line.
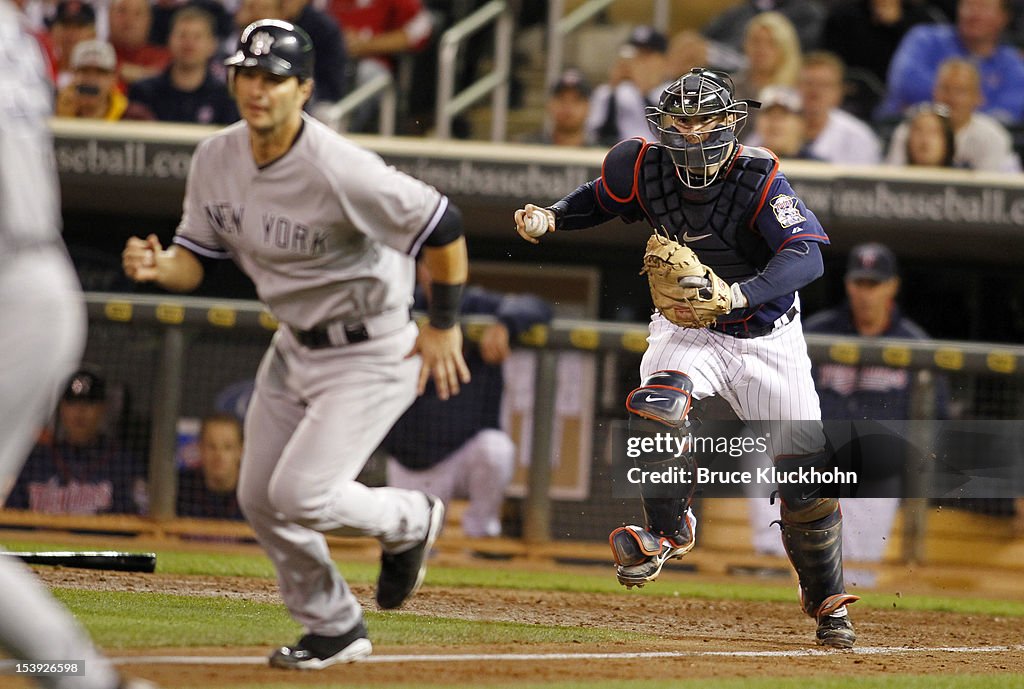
533	222
139	258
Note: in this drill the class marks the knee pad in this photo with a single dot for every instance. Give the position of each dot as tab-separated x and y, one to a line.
664	397
803	503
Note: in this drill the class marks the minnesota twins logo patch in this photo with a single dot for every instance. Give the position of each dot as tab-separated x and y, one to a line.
786	211
261	43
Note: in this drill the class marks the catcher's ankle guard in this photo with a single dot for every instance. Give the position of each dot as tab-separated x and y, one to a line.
632	545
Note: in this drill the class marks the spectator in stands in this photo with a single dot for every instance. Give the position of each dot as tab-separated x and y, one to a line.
808	16
187	91
865	34
138	59
981	142
80	468
773	59
93	92
330	63
164	11
74	22
927	137
377	32
456	448
635	81
567	107
780	124
836	136
977	37
209	490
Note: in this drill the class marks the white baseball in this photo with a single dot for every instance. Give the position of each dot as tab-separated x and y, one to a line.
536	224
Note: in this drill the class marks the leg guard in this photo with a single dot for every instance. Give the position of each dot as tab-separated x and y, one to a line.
812	535
660	405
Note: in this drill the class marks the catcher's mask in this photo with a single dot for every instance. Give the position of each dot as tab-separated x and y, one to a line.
698	120
276	46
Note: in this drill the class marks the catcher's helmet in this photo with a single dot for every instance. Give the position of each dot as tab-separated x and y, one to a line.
276	46
697	120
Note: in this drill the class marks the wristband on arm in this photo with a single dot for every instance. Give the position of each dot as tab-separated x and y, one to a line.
445	304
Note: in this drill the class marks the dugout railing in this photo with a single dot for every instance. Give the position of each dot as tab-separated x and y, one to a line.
171	354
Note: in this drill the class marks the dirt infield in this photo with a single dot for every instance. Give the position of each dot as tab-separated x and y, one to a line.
703	638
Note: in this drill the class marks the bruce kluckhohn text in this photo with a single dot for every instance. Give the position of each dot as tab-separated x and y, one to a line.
766	475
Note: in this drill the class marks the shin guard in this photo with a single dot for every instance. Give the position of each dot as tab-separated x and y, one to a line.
661	405
812	533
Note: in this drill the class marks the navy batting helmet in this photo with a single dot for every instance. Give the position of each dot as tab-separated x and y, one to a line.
697	120
276	46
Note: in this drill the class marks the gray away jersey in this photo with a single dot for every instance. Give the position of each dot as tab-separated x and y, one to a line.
28	179
326	232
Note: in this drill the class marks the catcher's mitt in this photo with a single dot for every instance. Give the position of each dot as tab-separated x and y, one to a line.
699	300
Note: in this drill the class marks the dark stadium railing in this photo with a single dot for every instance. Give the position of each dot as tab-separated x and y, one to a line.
173	353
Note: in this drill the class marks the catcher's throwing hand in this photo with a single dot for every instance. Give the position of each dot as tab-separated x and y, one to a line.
139	258
442	358
684	290
533	222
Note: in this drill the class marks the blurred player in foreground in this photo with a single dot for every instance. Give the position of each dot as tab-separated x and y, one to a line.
39	292
327	232
732	246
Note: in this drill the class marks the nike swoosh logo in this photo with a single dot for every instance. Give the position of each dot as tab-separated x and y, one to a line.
688	238
651	398
808	496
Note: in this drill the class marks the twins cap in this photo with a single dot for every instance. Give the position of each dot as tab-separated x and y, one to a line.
872	262
85	386
93	53
572	80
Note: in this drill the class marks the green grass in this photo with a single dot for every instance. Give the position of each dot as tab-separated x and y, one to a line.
154	620
191	563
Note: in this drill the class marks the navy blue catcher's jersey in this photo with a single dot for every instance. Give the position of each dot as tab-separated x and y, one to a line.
735	226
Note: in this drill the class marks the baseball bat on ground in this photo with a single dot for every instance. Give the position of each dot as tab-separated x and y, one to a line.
106	560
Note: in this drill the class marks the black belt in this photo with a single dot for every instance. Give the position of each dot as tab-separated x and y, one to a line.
747	333
318	338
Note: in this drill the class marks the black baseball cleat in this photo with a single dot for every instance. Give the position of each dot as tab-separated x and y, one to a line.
835	632
402	573
315	652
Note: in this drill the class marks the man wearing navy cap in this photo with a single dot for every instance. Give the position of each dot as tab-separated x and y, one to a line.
79	469
618	108
867	392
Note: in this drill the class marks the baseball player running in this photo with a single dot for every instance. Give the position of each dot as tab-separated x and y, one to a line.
327	232
39	292
733	244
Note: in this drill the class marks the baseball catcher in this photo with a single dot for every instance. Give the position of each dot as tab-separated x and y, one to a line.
732	246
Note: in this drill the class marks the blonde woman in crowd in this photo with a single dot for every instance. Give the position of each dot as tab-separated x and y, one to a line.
773	57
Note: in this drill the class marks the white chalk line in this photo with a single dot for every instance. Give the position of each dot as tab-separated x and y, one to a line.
639	655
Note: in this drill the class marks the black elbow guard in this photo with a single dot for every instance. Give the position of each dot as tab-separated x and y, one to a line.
448	228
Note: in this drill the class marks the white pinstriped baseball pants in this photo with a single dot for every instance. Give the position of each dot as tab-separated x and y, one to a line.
765	378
